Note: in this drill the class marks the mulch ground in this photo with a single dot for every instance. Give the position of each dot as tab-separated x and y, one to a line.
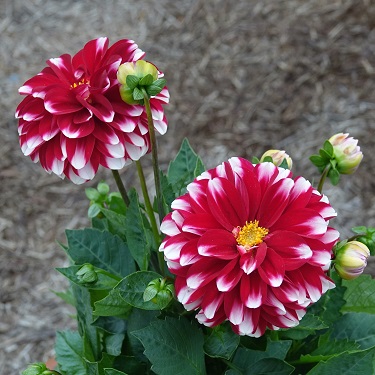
244	76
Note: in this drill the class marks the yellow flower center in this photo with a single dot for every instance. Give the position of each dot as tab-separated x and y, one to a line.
81	82
250	234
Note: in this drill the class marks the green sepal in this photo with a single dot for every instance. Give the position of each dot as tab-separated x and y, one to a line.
328	148
255	160
146	80
137	94
132	81
334	176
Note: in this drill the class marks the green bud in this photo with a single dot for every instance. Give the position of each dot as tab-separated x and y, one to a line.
87	274
39	369
159	291
136	76
351	259
103	188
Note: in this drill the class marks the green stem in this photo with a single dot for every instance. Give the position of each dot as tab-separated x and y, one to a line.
154	151
323	178
121	187
111	275
146	197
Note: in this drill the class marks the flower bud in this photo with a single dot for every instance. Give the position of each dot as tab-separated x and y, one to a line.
135	76
346	153
351	259
39	369
278	156
87	274
159	291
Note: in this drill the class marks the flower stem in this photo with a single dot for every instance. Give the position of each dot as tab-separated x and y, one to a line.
146	197
323	178
121	187
154	151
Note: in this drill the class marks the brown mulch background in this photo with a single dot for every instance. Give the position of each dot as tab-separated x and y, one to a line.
244	76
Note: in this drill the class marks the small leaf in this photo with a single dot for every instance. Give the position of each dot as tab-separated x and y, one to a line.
112	305
146	80
222	342
356	363
328	148
334	176
181	170
132	287
137	94
101	249
94	210
69	353
135	232
132	81
173	347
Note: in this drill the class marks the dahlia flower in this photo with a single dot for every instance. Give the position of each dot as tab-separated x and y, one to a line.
249	244
73	118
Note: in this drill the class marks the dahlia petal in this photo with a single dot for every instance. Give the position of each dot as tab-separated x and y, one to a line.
224	205
124	123
252	290
93	51
211	302
250	324
266	174
69	172
31	110
88	172
224	249
113	163
161	126
127	49
173	246
135	139
33	138
48	127
99	105
73	130
204	271
300	194
199	224
305	222
252	259
274	201
82	116
106	134
188	295
38	85
182	203
189	253
62	67
272	269
233	307
324	209
197	192
135	152
291	247
168	226
60	100
79	151
229	277
216	320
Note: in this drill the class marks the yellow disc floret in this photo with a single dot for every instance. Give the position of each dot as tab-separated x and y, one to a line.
250	234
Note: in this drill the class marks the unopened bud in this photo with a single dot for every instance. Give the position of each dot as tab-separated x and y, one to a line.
278	157
87	274
39	369
159	291
351	259
346	153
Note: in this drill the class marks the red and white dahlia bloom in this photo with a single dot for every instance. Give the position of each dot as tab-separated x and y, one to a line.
249	244
73	118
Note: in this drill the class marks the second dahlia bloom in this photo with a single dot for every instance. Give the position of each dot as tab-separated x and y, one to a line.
249	244
73	118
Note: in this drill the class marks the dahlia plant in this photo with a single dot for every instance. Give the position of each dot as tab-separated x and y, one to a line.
232	270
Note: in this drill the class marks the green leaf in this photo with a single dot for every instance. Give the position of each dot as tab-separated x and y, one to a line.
328	148
156	87
181	170
92	194
222	342
334	176
135	232
116	222
94	210
328	346
173	347
146	80
69	353
133	286
307	326
329	306
318	161
199	168
360	295
137	94
358	327
356	363
132	81
255	362
324	155
167	191
116	203
66	296
101	249
103	282
111	324
111	371
112	305
113	343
